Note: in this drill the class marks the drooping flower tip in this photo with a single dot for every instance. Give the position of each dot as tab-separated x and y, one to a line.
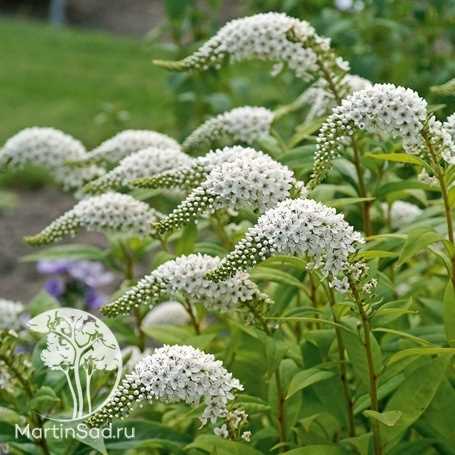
243	124
174	374
256	182
300	227
109	212
186	276
142	164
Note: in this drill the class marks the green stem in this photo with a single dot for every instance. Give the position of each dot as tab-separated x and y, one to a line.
281	412
129	276
189	309
343	369
445	197
372	375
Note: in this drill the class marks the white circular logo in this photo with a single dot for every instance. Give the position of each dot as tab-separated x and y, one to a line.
81	360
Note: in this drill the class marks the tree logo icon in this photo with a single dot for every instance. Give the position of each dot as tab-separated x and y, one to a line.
80	359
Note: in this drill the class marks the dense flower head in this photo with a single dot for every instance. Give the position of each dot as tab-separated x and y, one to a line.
189	177
320	100
10	312
300	227
185	276
261	37
384	109
243	124
51	149
127	142
145	163
109	212
403	213
257	183
174	374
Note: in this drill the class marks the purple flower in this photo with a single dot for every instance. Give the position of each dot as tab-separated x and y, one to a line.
55	267
93	300
91	273
55	287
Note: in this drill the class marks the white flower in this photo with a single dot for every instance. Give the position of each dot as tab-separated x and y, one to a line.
190	177
441	138
127	142
243	124
402	213
320	99
449	125
257	183
10	312
300	227
185	276
131	355
145	163
110	212
261	37
384	109
166	313
51	149
174	374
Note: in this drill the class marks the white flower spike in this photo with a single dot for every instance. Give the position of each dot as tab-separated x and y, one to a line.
240	125
174	374
257	184
51	149
185	276
296	227
110	212
125	143
263	37
142	164
10	312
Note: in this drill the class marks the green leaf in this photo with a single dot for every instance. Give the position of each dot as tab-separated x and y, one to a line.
214	445
375	254
419	352
44	399
388	418
345	201
74	252
171	334
413	397
306	378
276	276
185	244
416	242
397	157
42	302
357	356
318	449
449	313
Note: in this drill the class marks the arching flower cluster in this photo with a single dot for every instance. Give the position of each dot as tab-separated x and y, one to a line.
174	374
185	276
109	212
384	109
10	312
51	149
449	126
190	177
145	163
300	227
320	100
243	124
263	37
257	184
402	214
439	143
127	142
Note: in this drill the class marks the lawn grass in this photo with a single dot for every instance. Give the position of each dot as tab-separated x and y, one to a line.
62	78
